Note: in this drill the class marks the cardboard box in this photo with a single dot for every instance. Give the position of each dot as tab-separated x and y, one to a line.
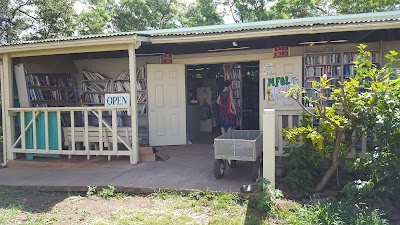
146	154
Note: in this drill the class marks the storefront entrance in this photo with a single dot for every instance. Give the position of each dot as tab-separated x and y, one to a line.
204	82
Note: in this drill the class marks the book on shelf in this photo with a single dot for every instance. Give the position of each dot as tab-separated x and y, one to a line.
49	80
141	73
349	58
124	75
93	98
141	85
122	86
87	75
141	98
142	110
333	58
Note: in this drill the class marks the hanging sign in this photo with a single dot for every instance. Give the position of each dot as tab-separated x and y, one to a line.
117	99
166	58
275	88
281	51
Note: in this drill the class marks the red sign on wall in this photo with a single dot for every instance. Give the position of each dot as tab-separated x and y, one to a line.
166	58
281	51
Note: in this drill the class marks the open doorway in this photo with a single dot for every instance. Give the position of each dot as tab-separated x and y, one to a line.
204	82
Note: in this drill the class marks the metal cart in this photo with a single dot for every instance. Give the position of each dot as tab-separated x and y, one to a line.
238	145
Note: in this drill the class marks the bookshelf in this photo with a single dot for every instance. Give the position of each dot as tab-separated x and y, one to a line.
338	66
96	85
47	90
233	72
141	94
350	57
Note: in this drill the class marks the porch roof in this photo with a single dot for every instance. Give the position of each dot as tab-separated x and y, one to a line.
274	24
365	21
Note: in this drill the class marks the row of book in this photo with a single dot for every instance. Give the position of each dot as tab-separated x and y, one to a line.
323	59
141	97
141	85
309	81
93	98
122	86
87	75
351	57
237	102
142	110
349	71
232	72
236	93
38	94
97	87
48	80
236	84
124	75
317	71
141	73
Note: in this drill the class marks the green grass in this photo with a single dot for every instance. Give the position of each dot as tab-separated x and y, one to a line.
165	207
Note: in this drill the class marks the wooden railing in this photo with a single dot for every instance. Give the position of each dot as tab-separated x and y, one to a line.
66	131
288	118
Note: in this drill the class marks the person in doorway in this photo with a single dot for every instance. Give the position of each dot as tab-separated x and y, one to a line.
227	113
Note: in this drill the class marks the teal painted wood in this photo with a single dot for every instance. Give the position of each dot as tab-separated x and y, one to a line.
40	134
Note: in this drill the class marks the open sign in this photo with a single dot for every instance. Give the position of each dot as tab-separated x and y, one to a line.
117	99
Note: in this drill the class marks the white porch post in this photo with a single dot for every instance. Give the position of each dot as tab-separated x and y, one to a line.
3	112
134	158
7	101
269	145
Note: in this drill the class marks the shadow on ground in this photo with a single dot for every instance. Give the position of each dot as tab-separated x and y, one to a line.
30	201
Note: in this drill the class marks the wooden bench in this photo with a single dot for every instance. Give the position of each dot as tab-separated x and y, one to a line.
93	136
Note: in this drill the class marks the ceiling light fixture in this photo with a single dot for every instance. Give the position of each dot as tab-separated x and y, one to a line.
313	42
339	41
227	49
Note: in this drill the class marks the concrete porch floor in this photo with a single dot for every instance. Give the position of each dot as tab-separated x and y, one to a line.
190	167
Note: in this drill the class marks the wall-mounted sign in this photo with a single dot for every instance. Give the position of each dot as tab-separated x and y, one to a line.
281	51
166	58
275	87
117	99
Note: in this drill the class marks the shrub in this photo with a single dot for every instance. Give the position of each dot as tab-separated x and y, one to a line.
268	195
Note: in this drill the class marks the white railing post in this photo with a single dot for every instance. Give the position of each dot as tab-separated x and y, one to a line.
269	145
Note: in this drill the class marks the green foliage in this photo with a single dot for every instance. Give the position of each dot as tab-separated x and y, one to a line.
359	189
53	18
133	15
201	13
383	127
365	6
91	191
332	211
354	107
106	193
268	195
301	174
96	19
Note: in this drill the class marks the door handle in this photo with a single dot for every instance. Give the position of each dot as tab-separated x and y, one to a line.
152	110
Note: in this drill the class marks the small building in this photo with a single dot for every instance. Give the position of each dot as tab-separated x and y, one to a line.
108	94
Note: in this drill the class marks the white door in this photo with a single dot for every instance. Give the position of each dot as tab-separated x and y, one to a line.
277	75
166	104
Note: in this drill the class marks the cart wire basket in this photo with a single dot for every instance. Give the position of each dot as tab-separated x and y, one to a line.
238	145
243	145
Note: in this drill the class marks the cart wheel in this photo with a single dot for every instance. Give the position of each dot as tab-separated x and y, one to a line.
256	169
219	168
232	163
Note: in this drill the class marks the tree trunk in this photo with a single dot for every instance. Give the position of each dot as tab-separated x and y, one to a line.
335	163
321	185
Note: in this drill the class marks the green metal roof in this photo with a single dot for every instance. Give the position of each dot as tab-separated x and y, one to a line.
238	27
273	24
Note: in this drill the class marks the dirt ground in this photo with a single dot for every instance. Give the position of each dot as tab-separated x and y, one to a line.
62	208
